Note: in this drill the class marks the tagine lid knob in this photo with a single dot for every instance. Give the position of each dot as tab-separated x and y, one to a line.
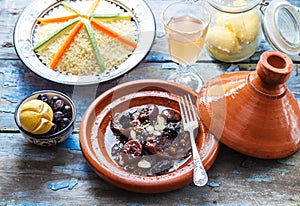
254	112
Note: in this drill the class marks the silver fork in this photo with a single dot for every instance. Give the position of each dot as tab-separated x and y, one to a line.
190	123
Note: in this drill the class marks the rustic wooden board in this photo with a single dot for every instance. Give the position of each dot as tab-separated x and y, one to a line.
10	11
17	82
27	173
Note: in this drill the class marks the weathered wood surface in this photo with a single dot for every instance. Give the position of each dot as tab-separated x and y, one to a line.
27	171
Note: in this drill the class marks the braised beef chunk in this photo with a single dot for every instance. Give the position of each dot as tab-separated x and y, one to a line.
150	139
120	124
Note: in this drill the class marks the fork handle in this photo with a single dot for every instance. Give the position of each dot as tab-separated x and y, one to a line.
200	177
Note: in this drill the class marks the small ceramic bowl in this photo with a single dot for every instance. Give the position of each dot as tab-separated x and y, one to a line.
95	138
47	139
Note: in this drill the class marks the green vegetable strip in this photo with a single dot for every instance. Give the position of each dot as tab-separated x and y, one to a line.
69	7
55	33
126	15
93	40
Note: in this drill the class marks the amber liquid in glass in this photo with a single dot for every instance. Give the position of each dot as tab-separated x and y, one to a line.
185	39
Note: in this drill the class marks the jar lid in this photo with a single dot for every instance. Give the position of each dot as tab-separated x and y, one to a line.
236	6
281	25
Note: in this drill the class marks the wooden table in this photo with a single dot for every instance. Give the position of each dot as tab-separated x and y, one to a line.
30	175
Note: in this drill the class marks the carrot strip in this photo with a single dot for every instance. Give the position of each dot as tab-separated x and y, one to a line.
112	33
65	44
93	7
57	19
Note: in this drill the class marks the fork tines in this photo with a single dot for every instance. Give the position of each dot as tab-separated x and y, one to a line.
187	109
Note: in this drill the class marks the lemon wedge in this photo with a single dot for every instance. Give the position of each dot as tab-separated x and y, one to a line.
36	117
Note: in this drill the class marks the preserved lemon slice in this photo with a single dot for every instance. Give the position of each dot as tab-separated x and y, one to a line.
239	3
245	25
36	117
223	40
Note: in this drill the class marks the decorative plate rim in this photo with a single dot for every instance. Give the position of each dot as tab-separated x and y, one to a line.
26	22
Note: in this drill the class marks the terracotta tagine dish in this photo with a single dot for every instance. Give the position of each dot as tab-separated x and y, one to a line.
131	137
254	113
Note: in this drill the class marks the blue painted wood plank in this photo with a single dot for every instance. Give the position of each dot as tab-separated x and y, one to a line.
60	175
27	173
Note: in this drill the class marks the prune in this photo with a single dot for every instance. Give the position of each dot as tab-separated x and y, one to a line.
131	150
58	116
149	139
148	113
150	145
171	115
43	97
58	105
181	145
172	129
157	145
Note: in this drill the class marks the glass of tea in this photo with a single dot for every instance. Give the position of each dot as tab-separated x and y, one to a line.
186	24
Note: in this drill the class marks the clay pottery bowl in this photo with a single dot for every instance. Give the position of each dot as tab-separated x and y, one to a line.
254	112
94	140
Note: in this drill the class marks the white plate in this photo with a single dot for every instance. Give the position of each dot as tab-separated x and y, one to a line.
26	24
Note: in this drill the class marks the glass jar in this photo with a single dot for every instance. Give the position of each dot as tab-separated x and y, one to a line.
237	27
281	27
235	30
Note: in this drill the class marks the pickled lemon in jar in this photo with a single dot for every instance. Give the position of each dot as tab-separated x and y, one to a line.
235	31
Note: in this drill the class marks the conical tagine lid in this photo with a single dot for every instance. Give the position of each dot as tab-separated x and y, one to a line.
254	113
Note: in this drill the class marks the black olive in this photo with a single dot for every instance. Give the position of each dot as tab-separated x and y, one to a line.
52	100
62	112
53	129
64	123
58	105
43	97
67	111
58	116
